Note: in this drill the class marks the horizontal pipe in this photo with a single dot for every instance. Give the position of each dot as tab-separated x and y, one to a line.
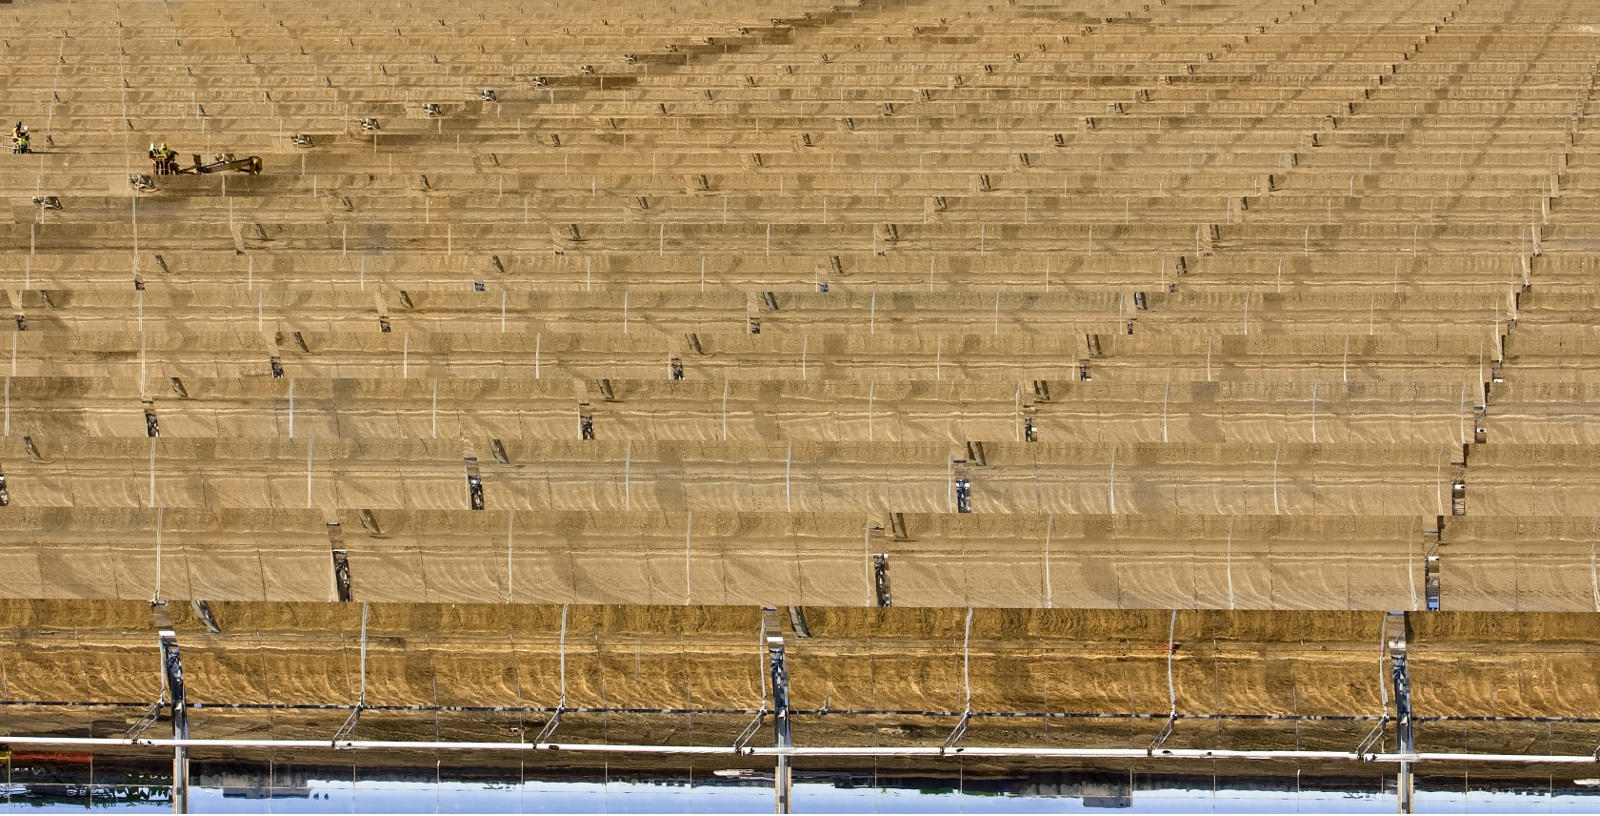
1172	753
363	745
1531	759
850	751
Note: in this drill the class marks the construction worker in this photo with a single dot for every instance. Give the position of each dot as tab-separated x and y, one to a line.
19	138
164	159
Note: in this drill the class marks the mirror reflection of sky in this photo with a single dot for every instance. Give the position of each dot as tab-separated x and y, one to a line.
1148	795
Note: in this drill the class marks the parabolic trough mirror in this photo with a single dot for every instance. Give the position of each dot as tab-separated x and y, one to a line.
378	707
800	406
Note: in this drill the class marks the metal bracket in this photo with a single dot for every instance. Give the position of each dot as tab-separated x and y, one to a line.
1164	733
150	717
958	732
751	729
350	724
549	729
1371	740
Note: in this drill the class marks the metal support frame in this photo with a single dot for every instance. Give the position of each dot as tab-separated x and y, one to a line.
142	724
1405	785
172	683
782	775
354	719
1172	688
1395	636
797	622
880	579
341	562
959	494
960	730
951	742
554	722
1430	573
474	484
550	727
202	610
1371	741
750	729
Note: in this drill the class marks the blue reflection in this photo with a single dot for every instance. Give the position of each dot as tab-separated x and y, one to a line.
298	790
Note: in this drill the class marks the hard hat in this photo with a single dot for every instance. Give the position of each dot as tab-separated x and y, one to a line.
163	145
152	145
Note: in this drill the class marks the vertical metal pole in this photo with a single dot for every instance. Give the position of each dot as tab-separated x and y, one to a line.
563	703
1404	782
361	701
782	776
172	678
